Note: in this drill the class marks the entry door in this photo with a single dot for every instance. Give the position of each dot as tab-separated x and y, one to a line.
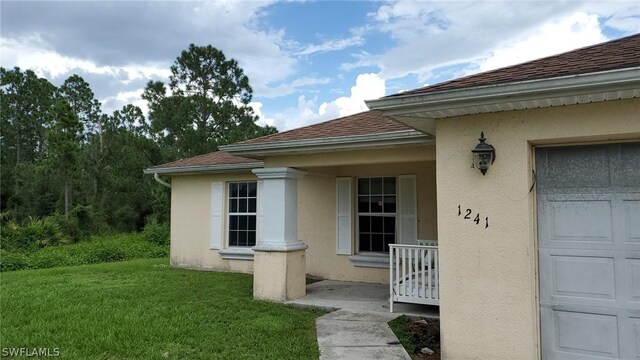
589	251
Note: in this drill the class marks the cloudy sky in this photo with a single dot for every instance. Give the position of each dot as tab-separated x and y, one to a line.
307	61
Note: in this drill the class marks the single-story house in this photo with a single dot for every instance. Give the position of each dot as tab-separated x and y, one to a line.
537	232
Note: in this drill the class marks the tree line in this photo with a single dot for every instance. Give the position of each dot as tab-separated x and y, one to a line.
59	153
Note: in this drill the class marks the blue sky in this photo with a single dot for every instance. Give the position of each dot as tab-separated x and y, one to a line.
308	61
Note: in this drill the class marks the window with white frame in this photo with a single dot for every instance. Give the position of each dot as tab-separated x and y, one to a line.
242	213
376	213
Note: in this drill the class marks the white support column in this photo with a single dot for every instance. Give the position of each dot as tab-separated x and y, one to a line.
279	260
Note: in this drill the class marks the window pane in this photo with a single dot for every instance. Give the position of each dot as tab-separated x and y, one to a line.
233	222
377	243
389	185
363	186
252	222
242	223
376	204
389	225
390	204
365	224
253	189
242	189
388	239
376	224
233	238
365	242
242	238
376	186
363	204
242	200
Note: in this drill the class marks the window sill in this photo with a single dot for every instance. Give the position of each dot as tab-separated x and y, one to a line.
380	261
236	253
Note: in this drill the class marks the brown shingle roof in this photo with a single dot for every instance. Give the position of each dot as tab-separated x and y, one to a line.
617	54
214	158
365	123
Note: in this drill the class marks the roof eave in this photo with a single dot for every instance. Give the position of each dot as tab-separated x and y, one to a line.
486	99
330	144
205	169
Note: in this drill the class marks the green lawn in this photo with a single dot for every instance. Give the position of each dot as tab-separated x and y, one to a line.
143	309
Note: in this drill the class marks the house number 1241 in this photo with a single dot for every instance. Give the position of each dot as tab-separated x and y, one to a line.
467	216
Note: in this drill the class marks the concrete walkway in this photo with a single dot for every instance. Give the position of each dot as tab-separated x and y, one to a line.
351	335
359	329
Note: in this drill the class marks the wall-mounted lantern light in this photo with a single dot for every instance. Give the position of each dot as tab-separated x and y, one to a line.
483	155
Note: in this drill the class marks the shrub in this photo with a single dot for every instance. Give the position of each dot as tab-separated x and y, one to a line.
44	232
47	259
97	249
9	236
104	253
156	233
32	235
13	261
68	225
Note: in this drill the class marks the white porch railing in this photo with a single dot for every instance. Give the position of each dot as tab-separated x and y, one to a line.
413	274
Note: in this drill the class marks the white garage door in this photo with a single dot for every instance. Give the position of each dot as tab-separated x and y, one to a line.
589	251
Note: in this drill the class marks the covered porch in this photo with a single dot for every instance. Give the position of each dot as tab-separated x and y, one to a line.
413	287
353	217
359	297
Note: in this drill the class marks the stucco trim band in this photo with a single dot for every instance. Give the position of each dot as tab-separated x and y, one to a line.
236	254
370	260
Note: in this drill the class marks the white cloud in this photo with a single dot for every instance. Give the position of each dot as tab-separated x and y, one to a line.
623	16
577	30
264	53
332	45
289	88
116	102
32	53
367	87
307	112
257	109
430	35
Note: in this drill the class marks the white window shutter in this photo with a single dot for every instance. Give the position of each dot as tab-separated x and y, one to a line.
260	211
217	205
344	223
408	210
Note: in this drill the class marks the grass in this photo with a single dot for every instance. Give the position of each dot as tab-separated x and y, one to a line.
143	309
400	327
416	335
97	249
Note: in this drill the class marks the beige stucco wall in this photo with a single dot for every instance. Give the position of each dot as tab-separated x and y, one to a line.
488	277
317	204
355	157
279	276
191	199
190	223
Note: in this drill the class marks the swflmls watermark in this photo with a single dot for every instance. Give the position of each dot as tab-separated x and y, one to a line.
30	352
